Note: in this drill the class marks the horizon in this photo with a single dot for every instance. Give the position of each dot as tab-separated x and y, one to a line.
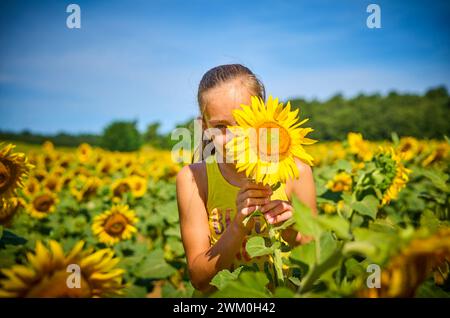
99	133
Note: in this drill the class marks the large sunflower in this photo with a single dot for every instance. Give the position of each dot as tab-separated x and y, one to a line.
115	225
13	168
266	141
415	263
46	274
42	204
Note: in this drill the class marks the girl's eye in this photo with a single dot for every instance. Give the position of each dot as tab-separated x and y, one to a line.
221	127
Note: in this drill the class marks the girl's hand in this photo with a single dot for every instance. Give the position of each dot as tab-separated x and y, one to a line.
277	211
250	198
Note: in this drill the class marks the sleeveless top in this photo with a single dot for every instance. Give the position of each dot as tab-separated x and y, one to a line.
221	207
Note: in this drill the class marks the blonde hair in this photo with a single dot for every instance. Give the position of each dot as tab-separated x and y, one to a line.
222	74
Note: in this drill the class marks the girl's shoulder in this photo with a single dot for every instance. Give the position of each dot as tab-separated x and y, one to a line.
194	176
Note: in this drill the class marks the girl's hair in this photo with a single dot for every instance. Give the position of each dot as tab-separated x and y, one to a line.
222	74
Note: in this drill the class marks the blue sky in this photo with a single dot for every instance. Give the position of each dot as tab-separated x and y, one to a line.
143	59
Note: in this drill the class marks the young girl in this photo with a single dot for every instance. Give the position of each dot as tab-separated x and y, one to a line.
213	198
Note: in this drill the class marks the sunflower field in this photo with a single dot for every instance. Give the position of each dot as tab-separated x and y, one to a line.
382	206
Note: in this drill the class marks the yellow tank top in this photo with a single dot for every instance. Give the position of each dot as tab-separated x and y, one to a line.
221	207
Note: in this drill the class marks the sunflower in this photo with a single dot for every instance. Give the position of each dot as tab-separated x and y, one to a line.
8	208
48	146
394	172
106	166
359	146
119	187
53	183
138	186
441	152
84	153
409	147
340	182
14	167
42	204
266	141
114	225
32	186
47	273
415	263
328	208
82	187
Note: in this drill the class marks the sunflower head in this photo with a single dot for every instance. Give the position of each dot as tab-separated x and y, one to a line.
8	208
84	153
42	204
138	186
406	271
340	182
395	175
359	146
120	187
53	183
14	167
409	147
50	272
83	188
266	140
115	225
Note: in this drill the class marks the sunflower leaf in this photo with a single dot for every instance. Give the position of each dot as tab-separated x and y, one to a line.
253	214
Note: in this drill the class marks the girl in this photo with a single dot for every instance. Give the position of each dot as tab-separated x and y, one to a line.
213	198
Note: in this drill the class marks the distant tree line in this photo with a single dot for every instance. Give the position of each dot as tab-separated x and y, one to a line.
60	139
375	116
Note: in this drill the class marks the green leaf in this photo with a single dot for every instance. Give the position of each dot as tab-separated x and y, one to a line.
439	179
154	266
135	291
169	291
249	285
305	253
251	215
328	246
224	277
256	246
305	223
283	292
344	165
337	224
9	238
173	231
367	206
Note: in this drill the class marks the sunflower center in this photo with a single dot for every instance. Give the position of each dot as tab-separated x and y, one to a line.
120	189
406	147
5	175
43	203
55	286
115	224
272	139
52	184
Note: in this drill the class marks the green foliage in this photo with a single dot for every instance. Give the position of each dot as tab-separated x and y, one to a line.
121	136
377	117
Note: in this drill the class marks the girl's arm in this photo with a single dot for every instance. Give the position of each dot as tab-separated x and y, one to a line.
204	260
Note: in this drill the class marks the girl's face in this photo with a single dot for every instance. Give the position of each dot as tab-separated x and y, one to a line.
220	102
